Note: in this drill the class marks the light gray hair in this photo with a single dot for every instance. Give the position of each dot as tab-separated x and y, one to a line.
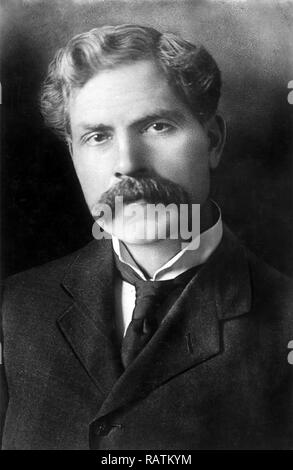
189	68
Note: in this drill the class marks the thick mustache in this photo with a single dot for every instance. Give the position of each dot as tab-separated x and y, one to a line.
152	189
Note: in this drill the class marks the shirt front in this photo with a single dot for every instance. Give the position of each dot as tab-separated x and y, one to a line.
194	254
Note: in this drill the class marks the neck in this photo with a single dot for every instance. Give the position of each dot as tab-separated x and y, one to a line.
150	257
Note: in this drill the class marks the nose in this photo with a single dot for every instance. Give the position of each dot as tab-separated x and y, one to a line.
130	156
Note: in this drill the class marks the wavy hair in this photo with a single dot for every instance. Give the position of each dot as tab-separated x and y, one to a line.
189	68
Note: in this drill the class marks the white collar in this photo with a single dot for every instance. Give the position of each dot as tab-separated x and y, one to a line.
195	253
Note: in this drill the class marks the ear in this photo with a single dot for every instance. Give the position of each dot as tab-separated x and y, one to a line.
69	145
216	131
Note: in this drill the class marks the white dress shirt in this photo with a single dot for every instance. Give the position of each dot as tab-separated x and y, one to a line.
186	258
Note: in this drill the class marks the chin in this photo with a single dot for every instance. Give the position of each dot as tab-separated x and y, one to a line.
134	235
140	232
136	241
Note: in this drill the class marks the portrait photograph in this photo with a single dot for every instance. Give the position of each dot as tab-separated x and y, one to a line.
146	225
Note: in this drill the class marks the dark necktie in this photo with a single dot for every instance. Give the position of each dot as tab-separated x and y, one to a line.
150	295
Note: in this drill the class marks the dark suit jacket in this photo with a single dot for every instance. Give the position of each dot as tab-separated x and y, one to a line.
214	376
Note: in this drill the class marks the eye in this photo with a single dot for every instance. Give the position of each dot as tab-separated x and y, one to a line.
160	127
97	138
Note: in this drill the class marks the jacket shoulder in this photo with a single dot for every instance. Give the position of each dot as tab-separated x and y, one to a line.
272	296
267	278
36	297
47	276
270	291
262	274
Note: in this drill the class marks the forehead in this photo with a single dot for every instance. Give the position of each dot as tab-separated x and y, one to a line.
123	94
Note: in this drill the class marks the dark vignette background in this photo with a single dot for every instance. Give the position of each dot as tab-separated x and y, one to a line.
44	215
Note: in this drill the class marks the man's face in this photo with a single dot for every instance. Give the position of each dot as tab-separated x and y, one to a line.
128	121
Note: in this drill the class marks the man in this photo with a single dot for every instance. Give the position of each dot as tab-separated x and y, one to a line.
143	341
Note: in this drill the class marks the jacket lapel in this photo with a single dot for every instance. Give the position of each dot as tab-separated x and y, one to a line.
89	323
191	333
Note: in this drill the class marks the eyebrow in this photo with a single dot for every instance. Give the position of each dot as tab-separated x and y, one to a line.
170	114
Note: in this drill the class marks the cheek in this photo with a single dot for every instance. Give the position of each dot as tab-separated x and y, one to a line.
195	148
93	175
186	162
184	156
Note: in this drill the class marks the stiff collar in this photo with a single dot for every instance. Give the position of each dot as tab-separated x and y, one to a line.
194	254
